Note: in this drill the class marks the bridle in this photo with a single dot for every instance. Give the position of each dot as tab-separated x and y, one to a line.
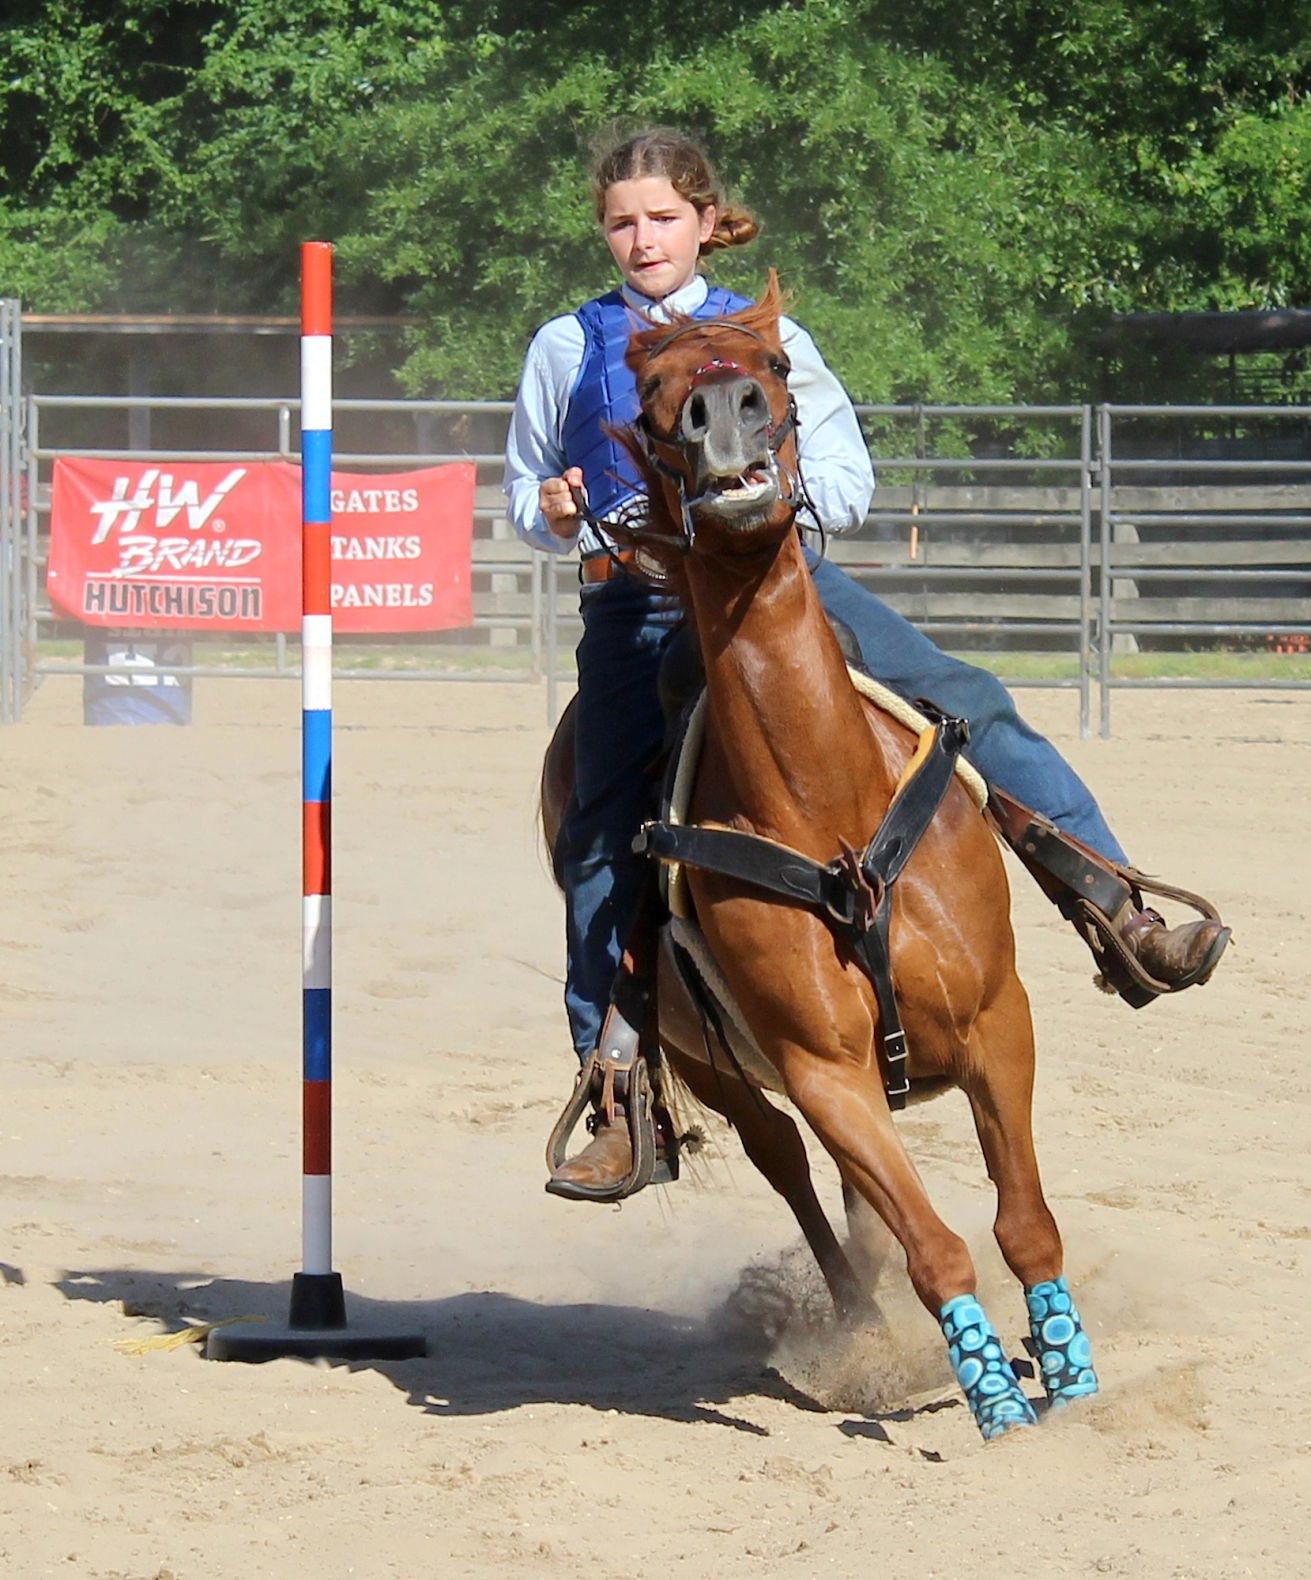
650	441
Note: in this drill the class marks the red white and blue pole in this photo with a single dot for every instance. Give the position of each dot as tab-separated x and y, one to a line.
317	1323
316	705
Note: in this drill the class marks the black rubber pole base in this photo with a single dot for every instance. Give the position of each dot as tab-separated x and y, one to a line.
317	1301
316	1328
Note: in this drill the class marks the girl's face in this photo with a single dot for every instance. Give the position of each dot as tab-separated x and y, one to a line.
654	234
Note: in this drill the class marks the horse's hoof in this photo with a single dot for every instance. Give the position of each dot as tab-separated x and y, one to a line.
859	1317
853	1306
1071	1396
1009	1413
1006	1429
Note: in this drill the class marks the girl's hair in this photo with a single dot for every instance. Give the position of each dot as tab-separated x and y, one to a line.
661	151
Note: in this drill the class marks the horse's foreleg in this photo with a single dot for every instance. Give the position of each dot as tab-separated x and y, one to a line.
844	1104
998	1080
1000	1090
773	1144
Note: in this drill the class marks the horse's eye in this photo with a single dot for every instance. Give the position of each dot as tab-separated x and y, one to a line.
780	367
648	389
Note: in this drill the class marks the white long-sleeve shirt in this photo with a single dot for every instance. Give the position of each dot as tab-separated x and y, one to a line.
834	458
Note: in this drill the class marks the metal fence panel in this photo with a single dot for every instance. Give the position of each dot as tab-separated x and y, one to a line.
1003	532
1203	516
13	569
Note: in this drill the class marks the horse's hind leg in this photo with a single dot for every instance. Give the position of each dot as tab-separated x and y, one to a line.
1000	1090
773	1144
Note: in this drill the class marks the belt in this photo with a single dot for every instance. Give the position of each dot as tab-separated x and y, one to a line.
601	567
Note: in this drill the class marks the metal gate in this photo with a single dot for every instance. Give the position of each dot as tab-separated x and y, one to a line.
14	562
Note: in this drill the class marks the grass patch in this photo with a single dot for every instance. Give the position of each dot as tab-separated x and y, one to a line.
1274	667
456	658
1277	668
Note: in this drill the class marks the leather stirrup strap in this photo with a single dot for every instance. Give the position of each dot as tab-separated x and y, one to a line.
1064	866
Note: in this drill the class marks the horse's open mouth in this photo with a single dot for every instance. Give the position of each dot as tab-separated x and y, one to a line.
745	497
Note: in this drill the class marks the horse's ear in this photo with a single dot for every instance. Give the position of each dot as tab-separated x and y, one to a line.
772	300
765	314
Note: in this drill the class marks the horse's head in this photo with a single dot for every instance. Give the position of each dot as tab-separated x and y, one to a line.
716	438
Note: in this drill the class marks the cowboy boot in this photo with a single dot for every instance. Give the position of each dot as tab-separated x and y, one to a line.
1182	956
1139	956
603	1164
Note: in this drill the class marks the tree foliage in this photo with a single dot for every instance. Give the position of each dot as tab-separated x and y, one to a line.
956	195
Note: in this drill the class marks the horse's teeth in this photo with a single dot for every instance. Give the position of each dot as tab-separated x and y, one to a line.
743	486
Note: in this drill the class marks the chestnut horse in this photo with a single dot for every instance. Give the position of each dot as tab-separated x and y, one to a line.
795	754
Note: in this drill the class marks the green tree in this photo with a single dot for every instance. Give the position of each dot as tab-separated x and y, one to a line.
957	196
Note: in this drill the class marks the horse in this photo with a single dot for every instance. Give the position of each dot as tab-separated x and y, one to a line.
797	757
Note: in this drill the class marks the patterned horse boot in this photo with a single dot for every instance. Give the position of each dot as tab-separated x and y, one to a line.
981	1368
1058	1343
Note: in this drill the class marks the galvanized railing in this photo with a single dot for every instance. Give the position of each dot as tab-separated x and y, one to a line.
13	566
1186	543
1077	553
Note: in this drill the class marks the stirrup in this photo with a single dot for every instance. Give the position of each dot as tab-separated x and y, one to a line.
618	1073
1121	970
1089	890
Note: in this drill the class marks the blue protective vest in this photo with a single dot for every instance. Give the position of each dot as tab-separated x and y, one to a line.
606	391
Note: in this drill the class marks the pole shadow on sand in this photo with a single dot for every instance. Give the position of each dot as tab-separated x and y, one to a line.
490	1352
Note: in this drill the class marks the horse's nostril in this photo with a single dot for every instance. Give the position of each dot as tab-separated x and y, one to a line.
753	401
694	417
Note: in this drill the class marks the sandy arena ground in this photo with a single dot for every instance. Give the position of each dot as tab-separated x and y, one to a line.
656	1390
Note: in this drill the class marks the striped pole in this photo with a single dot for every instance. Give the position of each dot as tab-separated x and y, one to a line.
316	704
317	1323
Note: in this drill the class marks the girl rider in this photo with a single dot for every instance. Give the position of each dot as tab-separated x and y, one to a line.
661	210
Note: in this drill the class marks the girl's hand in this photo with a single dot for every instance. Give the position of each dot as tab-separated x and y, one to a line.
556	501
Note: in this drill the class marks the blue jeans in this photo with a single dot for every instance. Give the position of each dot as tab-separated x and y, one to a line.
620	732
1008	752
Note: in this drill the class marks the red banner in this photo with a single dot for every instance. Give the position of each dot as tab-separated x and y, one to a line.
204	545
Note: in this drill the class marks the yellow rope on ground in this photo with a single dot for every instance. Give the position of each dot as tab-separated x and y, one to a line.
174	1341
